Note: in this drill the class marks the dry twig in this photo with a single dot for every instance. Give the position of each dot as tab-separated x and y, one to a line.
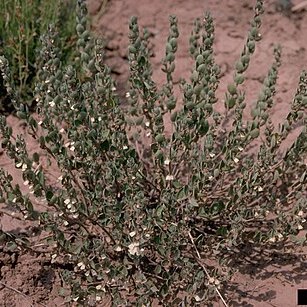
19	292
206	271
299	6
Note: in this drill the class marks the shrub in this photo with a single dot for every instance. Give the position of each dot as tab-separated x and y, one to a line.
165	228
22	22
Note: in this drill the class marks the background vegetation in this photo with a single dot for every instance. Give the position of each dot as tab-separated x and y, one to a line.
22	22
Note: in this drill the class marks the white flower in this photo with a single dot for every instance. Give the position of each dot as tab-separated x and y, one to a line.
92	119
98	298
81	265
24	167
280	236
198	298
148	134
94	273
125	147
127	95
62	130
134	248
167	161
211	280
236	160
212	154
169	178
35	165
272	239
118	248
52	104
300	213
299	227
60	178
53	258
19	164
66	223
26	182
40	122
240	148
132	234
147	124
66	201
98	287
260	189
72	148
113	88
31	189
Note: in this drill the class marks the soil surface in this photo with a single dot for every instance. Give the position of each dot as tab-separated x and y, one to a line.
273	280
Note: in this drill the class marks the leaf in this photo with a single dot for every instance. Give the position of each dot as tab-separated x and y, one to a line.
303	177
204	127
21	115
176	184
35	157
158	269
49	195
230	102
142	61
254	133
42	141
232	89
159	210
222	231
105	145
11	246
217	207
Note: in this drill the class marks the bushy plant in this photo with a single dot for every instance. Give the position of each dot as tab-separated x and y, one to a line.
165	228
22	22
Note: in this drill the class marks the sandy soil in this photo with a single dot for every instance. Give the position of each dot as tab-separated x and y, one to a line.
31	280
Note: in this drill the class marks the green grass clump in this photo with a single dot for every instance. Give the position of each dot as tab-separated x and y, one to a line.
22	22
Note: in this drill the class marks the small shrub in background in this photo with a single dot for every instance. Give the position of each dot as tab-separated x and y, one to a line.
166	228
22	22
